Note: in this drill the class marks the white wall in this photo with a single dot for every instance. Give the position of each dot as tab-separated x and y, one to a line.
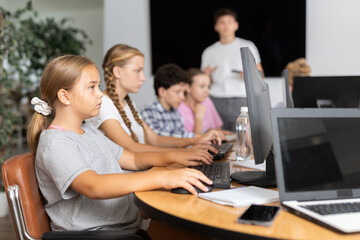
333	36
128	22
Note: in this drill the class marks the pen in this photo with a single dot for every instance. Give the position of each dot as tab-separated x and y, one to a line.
235	71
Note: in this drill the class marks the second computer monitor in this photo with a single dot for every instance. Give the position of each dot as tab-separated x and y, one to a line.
258	100
326	91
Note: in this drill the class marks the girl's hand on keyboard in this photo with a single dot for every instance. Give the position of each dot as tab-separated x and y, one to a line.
193	158
202	147
210	136
185	178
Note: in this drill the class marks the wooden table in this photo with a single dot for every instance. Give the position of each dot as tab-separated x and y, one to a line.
215	220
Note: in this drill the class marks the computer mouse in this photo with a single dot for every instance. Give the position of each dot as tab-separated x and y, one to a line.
184	191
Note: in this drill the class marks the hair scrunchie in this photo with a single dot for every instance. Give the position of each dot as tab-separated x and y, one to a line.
41	106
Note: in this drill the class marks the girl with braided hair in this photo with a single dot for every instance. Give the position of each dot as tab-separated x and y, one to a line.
119	120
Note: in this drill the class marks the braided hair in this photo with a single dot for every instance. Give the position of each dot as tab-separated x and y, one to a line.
119	55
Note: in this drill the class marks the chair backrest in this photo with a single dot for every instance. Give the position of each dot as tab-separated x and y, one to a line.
20	170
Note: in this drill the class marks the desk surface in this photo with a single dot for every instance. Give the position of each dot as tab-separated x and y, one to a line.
215	220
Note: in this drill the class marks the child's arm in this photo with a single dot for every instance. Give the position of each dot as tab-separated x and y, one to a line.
199	112
104	186
117	134
211	135
145	160
164	141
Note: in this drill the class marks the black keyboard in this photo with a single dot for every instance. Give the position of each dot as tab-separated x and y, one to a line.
218	172
222	150
334	208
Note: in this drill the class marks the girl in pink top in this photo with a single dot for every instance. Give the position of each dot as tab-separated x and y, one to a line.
198	111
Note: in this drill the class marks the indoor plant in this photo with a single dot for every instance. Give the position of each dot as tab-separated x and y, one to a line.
26	44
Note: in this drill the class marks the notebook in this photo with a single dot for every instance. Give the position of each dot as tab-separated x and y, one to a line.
242	196
317	162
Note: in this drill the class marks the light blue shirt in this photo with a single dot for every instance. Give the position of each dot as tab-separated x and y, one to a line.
163	122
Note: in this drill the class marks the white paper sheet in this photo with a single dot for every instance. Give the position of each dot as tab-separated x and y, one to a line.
242	196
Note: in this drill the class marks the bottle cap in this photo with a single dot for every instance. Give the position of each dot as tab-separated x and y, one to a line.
244	109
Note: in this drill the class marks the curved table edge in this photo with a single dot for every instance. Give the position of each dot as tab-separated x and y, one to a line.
195	227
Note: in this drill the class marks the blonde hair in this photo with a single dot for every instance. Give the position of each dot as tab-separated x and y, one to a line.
298	67
60	73
120	55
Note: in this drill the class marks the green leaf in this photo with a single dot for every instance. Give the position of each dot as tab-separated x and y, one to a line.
27	43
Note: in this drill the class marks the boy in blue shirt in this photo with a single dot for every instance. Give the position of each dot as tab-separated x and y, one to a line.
162	115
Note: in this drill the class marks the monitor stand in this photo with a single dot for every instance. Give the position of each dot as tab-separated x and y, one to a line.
258	178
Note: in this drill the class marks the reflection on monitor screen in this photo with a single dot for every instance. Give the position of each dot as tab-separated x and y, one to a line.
310	144
258	100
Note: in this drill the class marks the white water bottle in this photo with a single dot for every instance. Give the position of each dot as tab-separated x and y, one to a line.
243	135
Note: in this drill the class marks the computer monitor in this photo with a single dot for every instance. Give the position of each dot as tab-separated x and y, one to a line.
326	92
258	100
288	101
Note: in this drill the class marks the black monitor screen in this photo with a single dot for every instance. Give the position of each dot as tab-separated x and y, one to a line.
182	29
316	156
325	92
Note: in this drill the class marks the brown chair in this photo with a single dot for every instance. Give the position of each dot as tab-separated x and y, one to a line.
27	206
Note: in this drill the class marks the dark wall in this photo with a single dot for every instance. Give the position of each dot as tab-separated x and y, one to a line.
182	29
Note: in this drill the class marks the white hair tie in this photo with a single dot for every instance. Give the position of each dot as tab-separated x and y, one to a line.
41	106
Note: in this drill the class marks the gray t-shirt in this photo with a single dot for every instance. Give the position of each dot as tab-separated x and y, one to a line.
62	156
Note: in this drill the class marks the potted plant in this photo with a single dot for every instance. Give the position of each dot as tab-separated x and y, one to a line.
9	122
26	44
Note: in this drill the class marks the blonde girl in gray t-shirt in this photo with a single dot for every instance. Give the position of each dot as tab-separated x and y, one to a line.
80	171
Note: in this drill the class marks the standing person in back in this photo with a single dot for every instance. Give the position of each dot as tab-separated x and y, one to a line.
222	61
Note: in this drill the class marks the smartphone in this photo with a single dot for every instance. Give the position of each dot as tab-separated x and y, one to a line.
259	215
